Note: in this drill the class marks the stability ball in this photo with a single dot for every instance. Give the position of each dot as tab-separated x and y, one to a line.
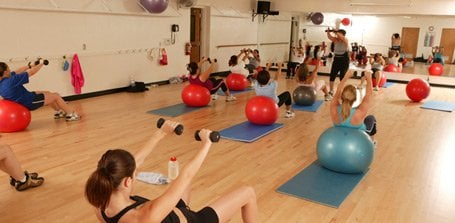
381	82
435	69
317	18
155	6
391	68
261	110
195	96
346	21
345	150
417	89
304	95
13	116
236	82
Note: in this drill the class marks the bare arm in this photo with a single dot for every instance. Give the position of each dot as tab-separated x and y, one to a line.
159	208
278	72
331	38
204	76
337	98
314	73
343	39
166	128
362	110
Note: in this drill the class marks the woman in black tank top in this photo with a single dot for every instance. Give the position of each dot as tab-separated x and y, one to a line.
109	189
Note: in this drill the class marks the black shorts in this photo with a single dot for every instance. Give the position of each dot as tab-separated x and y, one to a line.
38	102
370	123
205	215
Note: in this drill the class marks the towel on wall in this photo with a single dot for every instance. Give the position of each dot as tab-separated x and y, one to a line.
77	77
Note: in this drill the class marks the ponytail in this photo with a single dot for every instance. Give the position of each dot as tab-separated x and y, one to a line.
113	167
348	96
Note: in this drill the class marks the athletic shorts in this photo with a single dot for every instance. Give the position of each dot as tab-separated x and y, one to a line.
205	215
37	102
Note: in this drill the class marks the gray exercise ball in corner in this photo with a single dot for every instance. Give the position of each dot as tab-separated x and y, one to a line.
304	95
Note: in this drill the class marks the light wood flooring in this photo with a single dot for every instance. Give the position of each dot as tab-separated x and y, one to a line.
411	178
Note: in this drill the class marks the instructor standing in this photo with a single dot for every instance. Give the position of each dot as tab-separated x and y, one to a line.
341	59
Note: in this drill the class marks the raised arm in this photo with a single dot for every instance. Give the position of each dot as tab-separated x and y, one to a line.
362	110
278	72
141	155
337	98
206	74
330	36
30	68
159	208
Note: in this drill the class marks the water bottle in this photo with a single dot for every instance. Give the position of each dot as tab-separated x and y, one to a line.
132	81
173	168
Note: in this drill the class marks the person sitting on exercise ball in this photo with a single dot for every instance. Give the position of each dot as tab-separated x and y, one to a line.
12	88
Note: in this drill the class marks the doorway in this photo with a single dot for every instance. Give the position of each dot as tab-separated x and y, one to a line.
195	34
448	42
409	41
294	41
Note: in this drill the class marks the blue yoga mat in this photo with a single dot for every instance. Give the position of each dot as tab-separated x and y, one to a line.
248	132
318	184
439	105
174	110
220	92
388	84
312	108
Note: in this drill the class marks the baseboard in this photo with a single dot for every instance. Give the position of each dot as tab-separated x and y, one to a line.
109	91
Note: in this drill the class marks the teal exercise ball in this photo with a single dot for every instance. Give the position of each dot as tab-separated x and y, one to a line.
345	150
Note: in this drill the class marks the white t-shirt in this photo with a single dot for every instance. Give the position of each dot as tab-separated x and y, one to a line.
239	68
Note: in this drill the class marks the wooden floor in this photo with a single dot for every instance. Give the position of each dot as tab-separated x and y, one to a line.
411	178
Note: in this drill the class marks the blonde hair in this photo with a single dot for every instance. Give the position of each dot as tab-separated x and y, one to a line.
348	97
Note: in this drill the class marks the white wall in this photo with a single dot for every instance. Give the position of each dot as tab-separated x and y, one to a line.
110	36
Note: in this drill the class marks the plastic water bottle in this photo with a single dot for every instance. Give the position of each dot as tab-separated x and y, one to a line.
132	81
173	168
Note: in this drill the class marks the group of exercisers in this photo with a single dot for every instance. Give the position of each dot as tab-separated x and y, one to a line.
109	188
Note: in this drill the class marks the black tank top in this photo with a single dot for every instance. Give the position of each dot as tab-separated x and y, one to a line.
170	218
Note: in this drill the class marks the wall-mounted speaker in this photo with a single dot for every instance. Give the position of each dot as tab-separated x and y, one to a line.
263	7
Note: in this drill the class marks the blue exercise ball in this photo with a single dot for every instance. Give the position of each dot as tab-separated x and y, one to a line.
345	150
155	6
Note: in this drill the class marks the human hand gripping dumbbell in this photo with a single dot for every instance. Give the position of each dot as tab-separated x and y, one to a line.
210	61
214	136
178	129
41	61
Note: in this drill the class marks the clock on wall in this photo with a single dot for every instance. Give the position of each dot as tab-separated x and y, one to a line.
430	28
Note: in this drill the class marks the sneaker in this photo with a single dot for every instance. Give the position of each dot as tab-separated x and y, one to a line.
376	89
59	114
72	117
289	114
331	93
375	143
29	182
328	97
214	97
231	98
13	181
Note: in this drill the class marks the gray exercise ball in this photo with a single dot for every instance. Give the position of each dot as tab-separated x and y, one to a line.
304	95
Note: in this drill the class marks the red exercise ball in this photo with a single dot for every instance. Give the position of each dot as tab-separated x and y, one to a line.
435	69
381	82
236	82
195	96
391	68
346	21
261	110
13	116
417	89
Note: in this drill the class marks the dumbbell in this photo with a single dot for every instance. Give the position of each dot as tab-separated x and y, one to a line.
214	136
178	129
210	61
45	62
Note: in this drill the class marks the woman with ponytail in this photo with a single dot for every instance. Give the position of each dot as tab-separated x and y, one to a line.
110	186
342	112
